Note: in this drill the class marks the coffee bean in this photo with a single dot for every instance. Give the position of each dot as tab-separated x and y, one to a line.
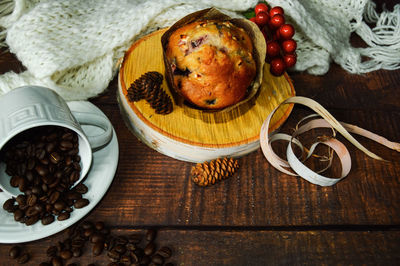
126	259
59	205
120	248
74	176
97	237
73	195
66	254
67	136
151	235
63	216
98	248
32	220
130	246
54	197
166	252
81	188
99	226
31	200
51	137
22	184
56	261
135	258
78	243
47	219
122	240
14	181
18	215
21	199
50	147
14	252
87	225
45	161
37	190
80	203
88	232
35	161
157	259
76	252
66	145
113	254
45	264
52	251
23	258
9	205
55	157
30	177
42	170
150	248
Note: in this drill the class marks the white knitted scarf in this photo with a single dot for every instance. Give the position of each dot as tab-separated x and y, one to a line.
73	46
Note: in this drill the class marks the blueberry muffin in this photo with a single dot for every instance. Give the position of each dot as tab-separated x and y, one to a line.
212	63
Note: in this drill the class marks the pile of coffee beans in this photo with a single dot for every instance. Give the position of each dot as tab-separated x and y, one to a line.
19	254
120	250
44	164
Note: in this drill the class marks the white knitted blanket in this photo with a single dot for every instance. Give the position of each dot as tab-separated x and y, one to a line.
73	46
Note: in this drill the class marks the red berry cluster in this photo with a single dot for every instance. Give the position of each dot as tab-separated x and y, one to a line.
278	35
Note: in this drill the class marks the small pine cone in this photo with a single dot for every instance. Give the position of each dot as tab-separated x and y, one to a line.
140	88
161	102
148	87
208	173
135	93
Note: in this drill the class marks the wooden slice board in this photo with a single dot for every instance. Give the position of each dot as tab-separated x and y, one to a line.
193	135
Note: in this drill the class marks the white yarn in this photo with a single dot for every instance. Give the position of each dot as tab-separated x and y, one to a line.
72	46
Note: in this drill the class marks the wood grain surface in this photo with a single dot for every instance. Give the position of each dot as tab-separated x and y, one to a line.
261	216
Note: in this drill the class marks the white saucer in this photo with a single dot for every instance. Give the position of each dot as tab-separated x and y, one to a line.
98	181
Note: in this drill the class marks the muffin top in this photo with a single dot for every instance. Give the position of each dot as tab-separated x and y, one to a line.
212	63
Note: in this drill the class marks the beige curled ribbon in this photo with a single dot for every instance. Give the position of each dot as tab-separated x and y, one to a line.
294	166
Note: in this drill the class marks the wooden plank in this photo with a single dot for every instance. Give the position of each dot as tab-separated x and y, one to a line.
152	189
262	247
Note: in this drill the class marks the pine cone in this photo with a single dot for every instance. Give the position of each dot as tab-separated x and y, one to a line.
148	87
140	87
208	173
160	102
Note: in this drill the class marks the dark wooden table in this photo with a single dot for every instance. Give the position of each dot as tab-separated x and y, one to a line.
260	216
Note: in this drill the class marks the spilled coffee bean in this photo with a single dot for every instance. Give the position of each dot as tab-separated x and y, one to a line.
14	252
133	249
18	254
44	164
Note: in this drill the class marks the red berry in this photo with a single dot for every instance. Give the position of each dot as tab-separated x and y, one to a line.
276	21
276	36
289	46
276	10
261	7
286	31
277	66
290	60
253	19
264	32
273	49
262	18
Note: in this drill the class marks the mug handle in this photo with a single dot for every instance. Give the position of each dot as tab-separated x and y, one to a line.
91	119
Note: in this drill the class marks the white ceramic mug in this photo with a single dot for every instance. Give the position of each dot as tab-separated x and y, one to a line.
32	106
